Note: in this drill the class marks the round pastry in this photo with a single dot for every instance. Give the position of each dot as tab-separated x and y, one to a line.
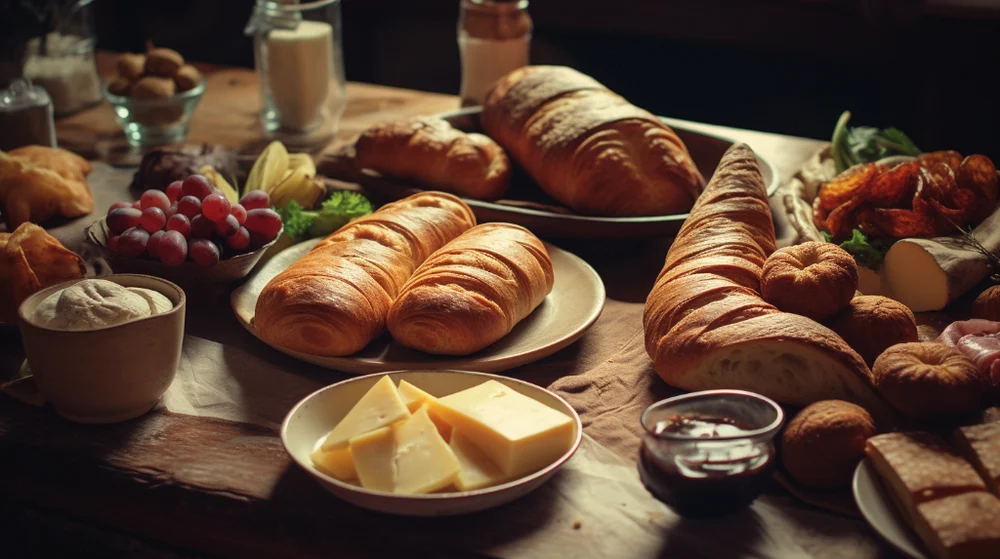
870	324
987	305
813	279
923	380
822	444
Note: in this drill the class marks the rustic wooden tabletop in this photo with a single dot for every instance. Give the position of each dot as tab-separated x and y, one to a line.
210	486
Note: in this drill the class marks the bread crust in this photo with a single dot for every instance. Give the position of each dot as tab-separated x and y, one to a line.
473	291
334	300
813	279
871	324
924	380
587	147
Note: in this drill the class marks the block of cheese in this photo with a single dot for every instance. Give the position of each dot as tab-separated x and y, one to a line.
520	435
414	398
375	459
980	445
337	463
965	526
407	457
379	407
477	470
920	467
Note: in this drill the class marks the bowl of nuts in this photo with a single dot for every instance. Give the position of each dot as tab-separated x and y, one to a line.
154	95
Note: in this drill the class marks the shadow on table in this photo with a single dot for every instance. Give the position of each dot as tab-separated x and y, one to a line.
628	267
702	537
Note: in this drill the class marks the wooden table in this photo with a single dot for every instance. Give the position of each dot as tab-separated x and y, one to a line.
204	485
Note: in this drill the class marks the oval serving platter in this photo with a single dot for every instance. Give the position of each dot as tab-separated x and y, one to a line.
575	303
528	206
316	414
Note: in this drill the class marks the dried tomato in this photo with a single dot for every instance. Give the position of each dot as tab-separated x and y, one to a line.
847	185
894	222
842	219
950	158
895	186
978	174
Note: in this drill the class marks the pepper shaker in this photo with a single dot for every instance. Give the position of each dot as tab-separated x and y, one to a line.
26	116
494	37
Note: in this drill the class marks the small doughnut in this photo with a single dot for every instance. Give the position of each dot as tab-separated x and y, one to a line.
923	380
813	279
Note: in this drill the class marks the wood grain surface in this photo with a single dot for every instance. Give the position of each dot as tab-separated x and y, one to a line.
228	488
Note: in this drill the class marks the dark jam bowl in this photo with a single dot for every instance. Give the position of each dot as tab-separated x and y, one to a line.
709	453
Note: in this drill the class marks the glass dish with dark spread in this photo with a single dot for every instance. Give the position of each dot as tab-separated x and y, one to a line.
709	453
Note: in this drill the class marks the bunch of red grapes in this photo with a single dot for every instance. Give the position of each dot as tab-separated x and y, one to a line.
192	219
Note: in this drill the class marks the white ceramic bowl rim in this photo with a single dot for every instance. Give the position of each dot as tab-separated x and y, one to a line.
42	293
435	496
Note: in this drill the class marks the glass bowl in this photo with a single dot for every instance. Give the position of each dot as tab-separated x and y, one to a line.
709	453
152	122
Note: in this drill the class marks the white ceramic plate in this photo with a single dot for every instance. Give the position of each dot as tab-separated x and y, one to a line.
316	414
880	511
574	304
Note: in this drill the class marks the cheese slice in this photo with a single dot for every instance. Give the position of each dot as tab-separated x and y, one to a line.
337	463
478	470
415	398
379	407
375	459
520	435
424	462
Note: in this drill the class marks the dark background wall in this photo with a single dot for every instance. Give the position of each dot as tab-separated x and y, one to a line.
788	66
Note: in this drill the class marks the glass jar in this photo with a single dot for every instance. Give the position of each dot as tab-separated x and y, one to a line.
25	116
709	453
62	59
299	59
494	38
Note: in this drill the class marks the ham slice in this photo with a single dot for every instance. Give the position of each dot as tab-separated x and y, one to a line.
979	341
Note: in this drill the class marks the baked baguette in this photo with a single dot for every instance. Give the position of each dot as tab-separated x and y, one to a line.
430	151
473	291
587	147
334	300
706	325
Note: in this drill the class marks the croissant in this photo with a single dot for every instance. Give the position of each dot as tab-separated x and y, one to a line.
473	291
430	151
587	147
334	300
30	260
706	325
38	182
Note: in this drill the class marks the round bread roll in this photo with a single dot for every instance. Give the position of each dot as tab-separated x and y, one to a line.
822	444
871	323
813	279
922	380
987	304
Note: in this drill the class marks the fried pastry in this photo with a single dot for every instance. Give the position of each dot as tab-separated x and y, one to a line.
38	182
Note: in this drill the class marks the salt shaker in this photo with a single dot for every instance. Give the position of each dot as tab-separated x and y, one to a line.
494	37
26	116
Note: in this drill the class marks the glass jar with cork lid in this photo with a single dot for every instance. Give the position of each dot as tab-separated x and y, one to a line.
494	38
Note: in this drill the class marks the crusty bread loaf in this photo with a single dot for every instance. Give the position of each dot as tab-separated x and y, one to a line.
334	300
436	155
706	324
473	291
587	147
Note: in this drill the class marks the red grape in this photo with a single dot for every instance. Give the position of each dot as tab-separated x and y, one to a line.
197	186
227	227
113	243
267	222
154	199
153	219
137	204
121	219
173	248
255	199
179	223
215	207
175	190
239	212
201	227
189	206
171	211
204	252
239	240
153	243
117	205
132	243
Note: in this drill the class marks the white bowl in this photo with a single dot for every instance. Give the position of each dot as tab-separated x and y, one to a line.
318	413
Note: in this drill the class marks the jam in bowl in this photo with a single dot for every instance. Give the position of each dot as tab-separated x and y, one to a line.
709	453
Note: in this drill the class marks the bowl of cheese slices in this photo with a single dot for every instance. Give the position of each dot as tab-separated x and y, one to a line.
431	443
